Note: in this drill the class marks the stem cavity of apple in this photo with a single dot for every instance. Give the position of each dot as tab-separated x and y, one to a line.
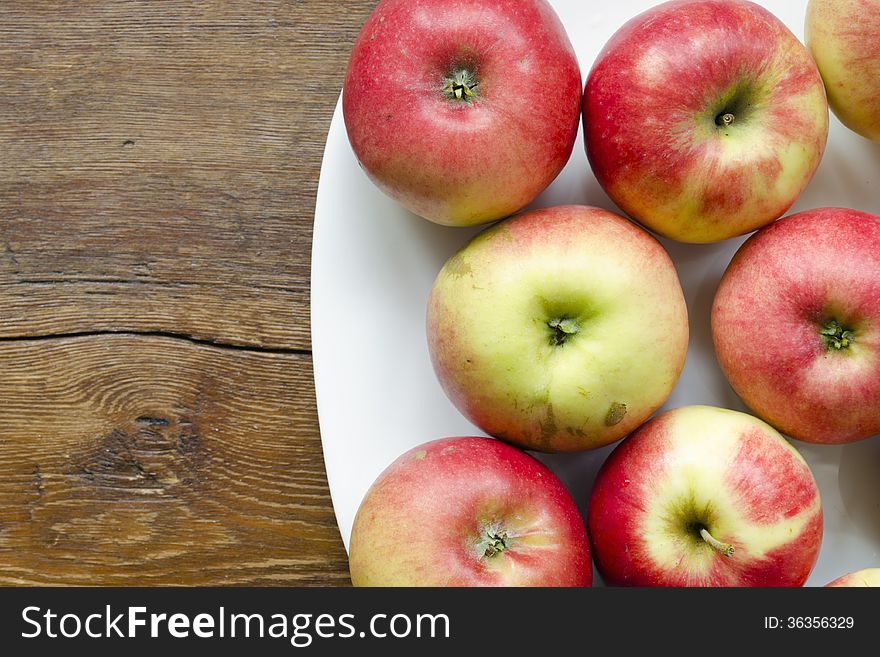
563	329
725	549
835	336
461	86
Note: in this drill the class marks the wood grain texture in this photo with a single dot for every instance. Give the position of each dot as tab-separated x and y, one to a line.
133	460
158	167
158	163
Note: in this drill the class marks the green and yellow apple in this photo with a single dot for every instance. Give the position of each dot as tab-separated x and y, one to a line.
468	512
561	329
705	119
703	496
844	37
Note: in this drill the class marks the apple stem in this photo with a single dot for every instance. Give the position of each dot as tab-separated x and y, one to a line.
494	543
723	548
835	336
562	330
461	86
726	120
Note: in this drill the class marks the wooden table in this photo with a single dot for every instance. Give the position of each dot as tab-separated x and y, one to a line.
158	167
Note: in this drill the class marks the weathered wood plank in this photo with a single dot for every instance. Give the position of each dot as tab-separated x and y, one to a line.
158	164
132	460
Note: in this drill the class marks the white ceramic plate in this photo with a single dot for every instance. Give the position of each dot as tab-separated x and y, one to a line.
373	265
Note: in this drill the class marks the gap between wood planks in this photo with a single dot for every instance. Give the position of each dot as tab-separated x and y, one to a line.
171	335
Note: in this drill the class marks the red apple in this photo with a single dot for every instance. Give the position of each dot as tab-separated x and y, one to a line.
462	110
561	329
705	119
702	496
468	512
844	37
796	324
869	577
